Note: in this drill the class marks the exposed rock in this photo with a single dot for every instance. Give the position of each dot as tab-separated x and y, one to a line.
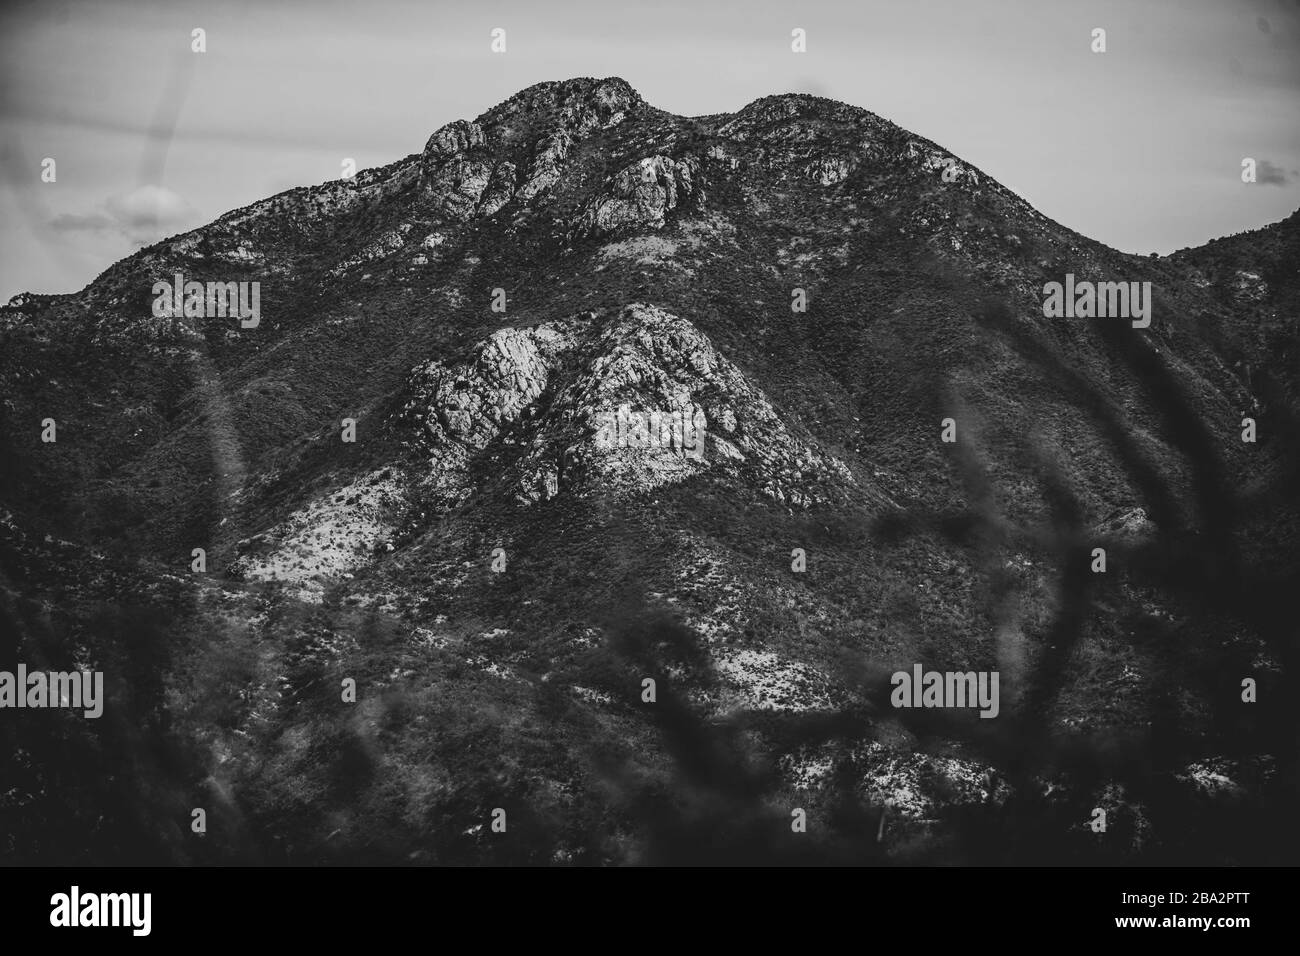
544	169
640	195
388	243
469	405
330	536
1127	523
828	171
454	139
647	360
917	786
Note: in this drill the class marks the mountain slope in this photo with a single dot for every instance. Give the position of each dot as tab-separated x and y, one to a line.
651	261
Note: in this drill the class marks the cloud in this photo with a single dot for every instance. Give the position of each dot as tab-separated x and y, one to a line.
90	222
1269	173
143	216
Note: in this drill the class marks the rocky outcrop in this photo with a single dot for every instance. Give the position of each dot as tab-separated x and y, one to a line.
563	382
386	244
465	163
470	404
327	538
462	174
828	170
546	164
640	195
454	139
1131	524
579	107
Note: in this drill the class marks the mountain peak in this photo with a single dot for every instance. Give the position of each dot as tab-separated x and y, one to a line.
608	96
580	85
552	111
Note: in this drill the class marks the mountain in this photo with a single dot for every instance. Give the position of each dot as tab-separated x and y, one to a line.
400	474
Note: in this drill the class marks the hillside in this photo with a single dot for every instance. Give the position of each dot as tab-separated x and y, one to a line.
651	260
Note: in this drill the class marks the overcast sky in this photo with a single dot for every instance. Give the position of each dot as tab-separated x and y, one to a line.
1139	147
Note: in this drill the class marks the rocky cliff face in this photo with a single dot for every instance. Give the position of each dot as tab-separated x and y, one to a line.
544	390
585	395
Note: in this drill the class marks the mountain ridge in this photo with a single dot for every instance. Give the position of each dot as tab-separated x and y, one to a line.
582	90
